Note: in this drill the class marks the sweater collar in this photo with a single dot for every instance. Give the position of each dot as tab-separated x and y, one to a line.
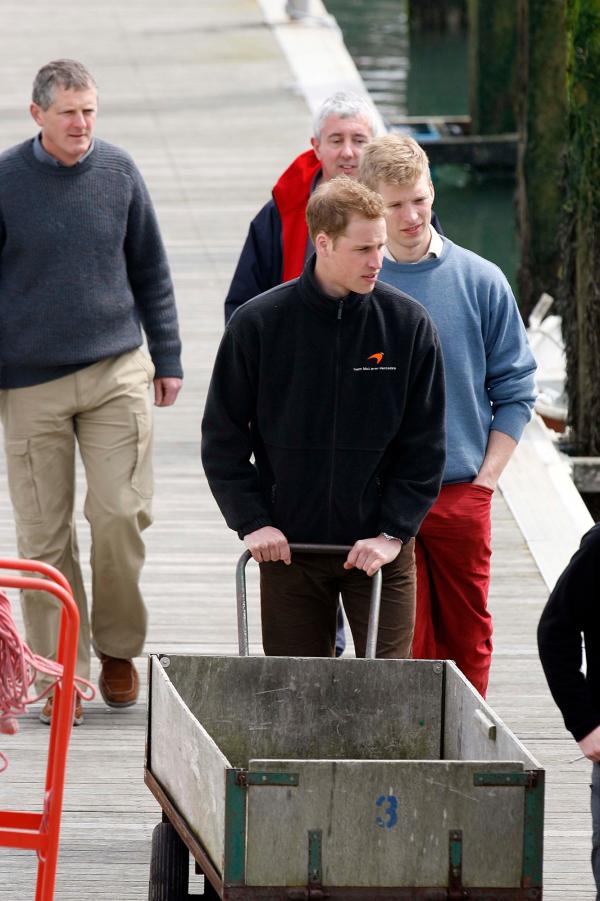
326	306
42	155
37	162
429	262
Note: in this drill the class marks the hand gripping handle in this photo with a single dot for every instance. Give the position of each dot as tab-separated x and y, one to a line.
242	602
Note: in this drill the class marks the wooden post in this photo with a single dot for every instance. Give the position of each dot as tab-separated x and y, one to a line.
580	283
542	123
438	15
493	65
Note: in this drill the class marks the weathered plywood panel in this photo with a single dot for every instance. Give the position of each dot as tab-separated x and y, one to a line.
314	708
466	736
188	764
384	823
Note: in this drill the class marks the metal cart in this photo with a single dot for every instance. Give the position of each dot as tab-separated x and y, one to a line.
302	778
40	831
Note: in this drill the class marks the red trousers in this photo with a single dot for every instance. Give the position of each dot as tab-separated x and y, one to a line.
453	553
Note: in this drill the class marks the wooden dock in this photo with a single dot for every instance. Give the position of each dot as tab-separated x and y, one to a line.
203	98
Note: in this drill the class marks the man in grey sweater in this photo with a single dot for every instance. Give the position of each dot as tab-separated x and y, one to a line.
82	270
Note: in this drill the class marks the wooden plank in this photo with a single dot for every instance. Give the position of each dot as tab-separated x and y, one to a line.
384	823
188	765
311	707
472	730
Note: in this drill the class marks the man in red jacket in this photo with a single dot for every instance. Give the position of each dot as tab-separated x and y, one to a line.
278	244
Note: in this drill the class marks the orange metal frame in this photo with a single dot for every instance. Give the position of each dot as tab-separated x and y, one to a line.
40	832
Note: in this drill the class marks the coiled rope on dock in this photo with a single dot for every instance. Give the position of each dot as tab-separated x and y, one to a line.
19	668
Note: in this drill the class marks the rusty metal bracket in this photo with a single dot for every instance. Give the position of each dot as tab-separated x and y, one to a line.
533	831
456	891
284	780
525	779
315	865
315	859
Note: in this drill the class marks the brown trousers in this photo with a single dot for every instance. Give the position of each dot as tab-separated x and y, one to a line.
299	605
106	409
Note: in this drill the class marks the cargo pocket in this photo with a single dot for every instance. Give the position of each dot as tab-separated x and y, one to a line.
21	481
142	479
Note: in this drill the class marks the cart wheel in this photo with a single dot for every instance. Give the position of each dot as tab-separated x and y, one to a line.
169	865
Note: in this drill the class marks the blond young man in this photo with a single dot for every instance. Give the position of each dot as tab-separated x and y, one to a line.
333	383
489	395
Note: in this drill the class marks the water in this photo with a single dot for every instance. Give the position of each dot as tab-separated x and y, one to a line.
426	74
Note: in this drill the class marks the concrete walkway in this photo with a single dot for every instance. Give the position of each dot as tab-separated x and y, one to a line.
201	95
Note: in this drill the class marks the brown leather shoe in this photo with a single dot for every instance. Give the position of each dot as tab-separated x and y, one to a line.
119	683
46	711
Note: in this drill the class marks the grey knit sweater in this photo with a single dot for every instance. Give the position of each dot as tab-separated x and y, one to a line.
82	265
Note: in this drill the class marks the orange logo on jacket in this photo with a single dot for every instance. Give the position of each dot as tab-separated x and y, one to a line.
377	357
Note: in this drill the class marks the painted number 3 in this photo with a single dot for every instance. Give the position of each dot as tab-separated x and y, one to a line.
388	805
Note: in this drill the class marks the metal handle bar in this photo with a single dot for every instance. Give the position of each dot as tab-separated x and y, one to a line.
242	601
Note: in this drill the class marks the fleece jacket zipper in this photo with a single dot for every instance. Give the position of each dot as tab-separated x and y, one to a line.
338	342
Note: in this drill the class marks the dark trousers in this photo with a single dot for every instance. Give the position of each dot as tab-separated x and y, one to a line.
299	605
596	827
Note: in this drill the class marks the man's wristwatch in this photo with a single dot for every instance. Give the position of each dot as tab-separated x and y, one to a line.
391	537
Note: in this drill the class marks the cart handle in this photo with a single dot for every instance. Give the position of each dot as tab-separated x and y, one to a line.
242	601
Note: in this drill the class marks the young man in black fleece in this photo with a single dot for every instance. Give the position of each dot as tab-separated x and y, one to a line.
573	610
334	383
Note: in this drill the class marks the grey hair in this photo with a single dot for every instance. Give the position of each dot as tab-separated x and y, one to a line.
64	73
346	105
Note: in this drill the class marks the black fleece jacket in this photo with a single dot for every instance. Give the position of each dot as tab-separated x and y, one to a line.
573	608
341	403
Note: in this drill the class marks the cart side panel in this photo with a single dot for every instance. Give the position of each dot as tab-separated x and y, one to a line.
277	707
188	764
385	823
472	731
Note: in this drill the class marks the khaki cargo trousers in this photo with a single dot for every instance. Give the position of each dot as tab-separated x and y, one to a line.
106	409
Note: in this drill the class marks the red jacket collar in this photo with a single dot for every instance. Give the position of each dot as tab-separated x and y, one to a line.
291	195
293	187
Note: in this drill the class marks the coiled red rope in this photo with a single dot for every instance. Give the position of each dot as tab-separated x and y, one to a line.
19	668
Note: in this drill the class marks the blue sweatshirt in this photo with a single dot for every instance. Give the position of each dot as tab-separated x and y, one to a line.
487	360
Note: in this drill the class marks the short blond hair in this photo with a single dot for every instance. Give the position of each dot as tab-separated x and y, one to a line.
335	201
394	159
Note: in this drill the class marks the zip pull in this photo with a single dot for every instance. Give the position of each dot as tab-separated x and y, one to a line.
340	309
